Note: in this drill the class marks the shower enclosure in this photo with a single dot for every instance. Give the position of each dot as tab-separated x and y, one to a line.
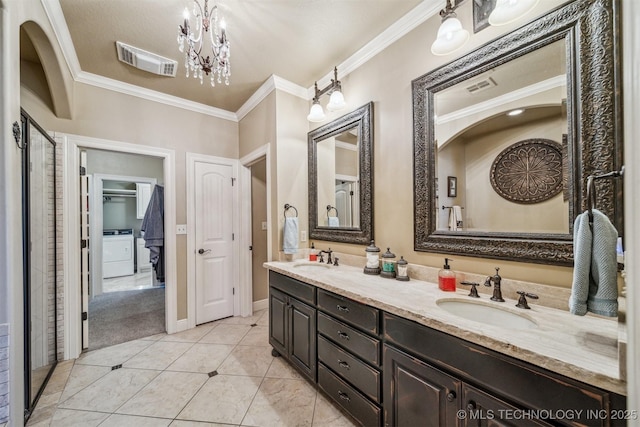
39	258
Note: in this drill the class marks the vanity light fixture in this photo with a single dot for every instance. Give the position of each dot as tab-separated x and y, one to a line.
336	100
451	35
515	112
215	59
508	11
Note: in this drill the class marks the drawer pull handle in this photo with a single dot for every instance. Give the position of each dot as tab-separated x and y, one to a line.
344	364
344	396
343	335
343	308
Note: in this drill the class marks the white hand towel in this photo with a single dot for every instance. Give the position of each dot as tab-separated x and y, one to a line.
595	267
455	218
334	221
290	235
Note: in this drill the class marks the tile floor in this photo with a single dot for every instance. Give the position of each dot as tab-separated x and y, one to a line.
221	373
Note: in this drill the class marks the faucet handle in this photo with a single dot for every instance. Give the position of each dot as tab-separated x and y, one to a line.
335	261
474	292
522	301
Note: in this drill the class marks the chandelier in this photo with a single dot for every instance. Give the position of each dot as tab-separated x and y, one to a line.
213	63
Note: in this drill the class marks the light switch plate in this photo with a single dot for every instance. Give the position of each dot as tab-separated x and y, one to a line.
303	236
264	225
181	229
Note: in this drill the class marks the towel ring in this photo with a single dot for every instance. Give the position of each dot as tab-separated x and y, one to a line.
329	208
591	189
287	206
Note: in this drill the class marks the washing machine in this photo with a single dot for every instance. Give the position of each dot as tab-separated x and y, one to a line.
117	253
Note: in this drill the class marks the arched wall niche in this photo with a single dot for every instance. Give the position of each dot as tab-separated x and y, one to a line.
43	70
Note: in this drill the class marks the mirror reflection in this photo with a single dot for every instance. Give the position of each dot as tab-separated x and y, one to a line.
500	139
340	178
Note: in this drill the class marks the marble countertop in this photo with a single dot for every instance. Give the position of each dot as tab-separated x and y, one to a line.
584	348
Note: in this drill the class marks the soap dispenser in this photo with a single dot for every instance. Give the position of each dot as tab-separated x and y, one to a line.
313	256
446	277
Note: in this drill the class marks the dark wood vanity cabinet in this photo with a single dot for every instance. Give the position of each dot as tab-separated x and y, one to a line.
428	373
387	370
349	356
292	322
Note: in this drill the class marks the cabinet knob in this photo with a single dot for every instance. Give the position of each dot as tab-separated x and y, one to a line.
471	405
344	364
344	396
343	335
451	396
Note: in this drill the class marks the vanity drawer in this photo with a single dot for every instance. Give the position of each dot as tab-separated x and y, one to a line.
347	337
359	315
295	288
362	376
353	402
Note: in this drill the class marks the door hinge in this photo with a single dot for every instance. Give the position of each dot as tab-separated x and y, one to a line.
83	171
234	291
233	181
233	236
85	315
251	247
83	243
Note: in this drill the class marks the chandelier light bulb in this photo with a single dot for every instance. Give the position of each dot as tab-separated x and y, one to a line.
508	11
451	37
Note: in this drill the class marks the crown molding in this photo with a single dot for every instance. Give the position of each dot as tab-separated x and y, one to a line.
272	83
152	95
53	10
395	31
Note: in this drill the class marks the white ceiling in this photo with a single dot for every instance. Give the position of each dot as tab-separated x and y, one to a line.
297	40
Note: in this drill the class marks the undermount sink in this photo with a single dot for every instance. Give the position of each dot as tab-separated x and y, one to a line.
310	266
487	314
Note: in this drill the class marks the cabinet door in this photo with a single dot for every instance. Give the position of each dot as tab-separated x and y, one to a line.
302	337
417	394
278	321
143	195
483	409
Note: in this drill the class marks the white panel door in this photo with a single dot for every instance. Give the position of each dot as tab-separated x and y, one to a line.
214	241
84	252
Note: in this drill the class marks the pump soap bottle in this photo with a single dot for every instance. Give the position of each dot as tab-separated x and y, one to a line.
313	256
446	277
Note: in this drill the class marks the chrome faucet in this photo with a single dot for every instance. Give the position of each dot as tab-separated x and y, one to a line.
497	292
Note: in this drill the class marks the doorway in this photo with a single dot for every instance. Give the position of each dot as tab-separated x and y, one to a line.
72	145
125	289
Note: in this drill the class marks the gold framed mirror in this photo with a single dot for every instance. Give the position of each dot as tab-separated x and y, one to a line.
562	70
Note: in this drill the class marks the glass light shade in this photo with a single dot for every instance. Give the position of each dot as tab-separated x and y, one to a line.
316	114
508	11
451	37
336	101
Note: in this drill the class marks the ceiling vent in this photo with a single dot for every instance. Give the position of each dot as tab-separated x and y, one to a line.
481	85
146	61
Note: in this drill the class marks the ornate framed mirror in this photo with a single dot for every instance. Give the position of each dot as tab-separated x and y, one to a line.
340	178
559	79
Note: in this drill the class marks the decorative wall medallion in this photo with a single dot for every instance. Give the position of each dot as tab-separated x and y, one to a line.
528	171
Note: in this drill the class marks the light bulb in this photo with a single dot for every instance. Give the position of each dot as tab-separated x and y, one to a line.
336	101
451	37
316	114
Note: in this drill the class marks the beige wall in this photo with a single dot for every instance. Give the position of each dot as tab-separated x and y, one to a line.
134	120
386	80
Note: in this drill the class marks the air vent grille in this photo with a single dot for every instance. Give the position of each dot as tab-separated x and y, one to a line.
481	85
146	61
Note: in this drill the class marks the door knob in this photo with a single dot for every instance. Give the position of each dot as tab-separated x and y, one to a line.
202	251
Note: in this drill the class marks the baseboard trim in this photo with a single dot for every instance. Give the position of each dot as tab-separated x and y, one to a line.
263	304
182	325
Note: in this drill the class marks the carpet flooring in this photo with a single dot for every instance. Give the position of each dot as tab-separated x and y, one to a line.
117	317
